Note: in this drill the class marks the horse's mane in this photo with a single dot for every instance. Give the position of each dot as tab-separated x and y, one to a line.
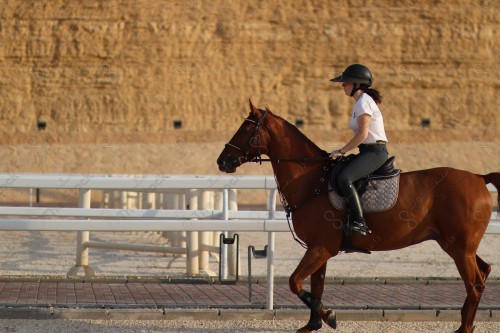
302	135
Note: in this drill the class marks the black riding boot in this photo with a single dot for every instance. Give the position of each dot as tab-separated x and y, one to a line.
355	220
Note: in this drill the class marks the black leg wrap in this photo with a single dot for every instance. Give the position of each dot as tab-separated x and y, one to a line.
315	306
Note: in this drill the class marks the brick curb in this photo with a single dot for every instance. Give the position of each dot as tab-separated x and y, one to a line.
234	314
243	279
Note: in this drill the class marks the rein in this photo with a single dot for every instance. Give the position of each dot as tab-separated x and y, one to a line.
258	159
290	208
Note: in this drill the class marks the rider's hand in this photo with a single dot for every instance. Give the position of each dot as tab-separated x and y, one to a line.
336	154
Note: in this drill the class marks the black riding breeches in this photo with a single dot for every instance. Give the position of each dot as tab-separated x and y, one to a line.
369	159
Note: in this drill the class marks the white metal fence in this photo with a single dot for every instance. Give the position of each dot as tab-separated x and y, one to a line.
221	215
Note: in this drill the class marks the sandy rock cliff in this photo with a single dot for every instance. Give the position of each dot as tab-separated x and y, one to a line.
71	68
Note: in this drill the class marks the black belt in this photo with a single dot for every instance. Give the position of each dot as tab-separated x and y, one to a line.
376	146
378	142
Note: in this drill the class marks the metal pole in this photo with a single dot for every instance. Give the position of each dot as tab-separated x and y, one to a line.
192	264
271	205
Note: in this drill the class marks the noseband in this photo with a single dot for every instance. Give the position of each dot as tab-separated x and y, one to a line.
246	150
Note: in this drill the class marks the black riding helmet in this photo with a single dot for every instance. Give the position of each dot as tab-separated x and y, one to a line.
356	73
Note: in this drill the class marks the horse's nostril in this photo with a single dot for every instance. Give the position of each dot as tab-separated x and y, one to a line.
220	161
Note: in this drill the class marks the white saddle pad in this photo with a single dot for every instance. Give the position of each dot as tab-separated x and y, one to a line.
380	195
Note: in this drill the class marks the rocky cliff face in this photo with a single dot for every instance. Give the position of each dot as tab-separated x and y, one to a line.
144	66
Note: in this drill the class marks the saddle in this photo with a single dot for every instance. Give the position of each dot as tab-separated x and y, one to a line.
378	191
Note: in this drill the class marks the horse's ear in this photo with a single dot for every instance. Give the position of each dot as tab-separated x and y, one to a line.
253	109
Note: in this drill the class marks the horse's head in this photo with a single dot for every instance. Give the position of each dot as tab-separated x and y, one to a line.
247	144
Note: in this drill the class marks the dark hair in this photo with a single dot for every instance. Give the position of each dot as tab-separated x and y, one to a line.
375	94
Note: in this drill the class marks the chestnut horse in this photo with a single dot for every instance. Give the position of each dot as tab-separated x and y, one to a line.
450	206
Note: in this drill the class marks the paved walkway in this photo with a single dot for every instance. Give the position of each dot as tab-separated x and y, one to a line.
417	295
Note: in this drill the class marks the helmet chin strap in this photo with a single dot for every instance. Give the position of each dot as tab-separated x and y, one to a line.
360	86
355	88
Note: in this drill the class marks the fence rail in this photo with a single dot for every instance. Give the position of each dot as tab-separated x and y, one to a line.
223	216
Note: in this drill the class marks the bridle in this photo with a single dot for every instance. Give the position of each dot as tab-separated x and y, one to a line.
255	135
246	150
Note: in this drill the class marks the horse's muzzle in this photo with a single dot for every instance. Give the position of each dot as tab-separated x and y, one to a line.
227	164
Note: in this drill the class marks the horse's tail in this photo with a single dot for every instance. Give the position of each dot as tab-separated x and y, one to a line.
494	178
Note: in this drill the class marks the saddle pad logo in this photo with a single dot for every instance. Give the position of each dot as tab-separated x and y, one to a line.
380	195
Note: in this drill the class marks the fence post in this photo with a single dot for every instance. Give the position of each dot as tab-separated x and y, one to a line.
233	253
271	206
181	235
82	237
223	251
192	264
176	238
105	199
270	271
204	236
217	206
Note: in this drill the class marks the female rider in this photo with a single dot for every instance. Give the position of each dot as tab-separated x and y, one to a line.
369	136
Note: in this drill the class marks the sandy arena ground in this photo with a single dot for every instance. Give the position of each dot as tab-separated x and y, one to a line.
254	326
53	253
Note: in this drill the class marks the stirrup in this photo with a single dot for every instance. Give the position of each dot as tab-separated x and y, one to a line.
360	228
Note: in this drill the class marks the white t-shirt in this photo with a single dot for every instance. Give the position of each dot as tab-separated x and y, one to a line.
376	131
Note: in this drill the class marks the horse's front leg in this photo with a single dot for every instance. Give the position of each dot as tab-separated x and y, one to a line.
313	263
317	288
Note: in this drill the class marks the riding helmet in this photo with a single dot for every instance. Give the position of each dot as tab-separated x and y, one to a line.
355	73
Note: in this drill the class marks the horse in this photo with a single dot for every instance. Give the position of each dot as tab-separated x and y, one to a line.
450	206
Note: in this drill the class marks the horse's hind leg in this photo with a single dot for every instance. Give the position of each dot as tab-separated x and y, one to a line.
313	263
473	278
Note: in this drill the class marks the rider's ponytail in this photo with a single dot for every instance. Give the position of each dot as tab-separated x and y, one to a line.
375	94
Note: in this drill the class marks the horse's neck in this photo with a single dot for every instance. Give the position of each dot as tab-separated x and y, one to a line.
298	178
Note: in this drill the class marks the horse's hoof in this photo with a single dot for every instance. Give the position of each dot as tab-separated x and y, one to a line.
304	329
308	329
460	330
331	319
